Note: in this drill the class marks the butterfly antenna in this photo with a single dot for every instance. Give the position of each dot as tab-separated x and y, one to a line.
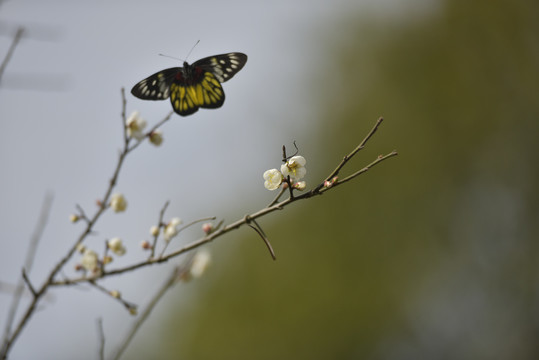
190	51
172	57
175	58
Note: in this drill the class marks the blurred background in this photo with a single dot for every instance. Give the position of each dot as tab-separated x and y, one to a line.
431	255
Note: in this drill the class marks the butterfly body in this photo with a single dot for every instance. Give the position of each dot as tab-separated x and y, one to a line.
192	86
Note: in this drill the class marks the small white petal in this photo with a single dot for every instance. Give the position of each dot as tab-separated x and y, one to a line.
273	179
89	260
116	246
135	126
201	261
118	202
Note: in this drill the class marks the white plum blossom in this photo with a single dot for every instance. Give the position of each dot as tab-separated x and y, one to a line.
118	202
171	229
135	126
89	260
116	246
295	168
273	179
201	261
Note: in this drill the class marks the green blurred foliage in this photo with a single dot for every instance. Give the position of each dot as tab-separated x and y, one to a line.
430	255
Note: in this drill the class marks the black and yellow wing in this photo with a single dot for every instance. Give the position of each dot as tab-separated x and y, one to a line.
204	92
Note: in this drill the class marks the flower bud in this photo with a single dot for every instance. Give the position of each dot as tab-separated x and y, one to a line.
118	202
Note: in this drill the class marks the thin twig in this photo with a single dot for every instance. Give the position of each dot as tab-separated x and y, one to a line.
11	50
176	274
366	168
286	180
349	156
183	228
218	226
124	116
27	282
101	335
82	214
28	263
264	238
129	306
38	231
159	224
276	199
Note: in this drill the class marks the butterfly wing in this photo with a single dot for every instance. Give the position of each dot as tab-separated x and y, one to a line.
156	86
202	90
223	66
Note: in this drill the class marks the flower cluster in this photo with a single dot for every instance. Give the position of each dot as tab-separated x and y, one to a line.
135	125
294	169
90	260
171	229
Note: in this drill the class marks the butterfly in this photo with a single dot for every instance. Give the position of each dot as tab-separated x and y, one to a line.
192	86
